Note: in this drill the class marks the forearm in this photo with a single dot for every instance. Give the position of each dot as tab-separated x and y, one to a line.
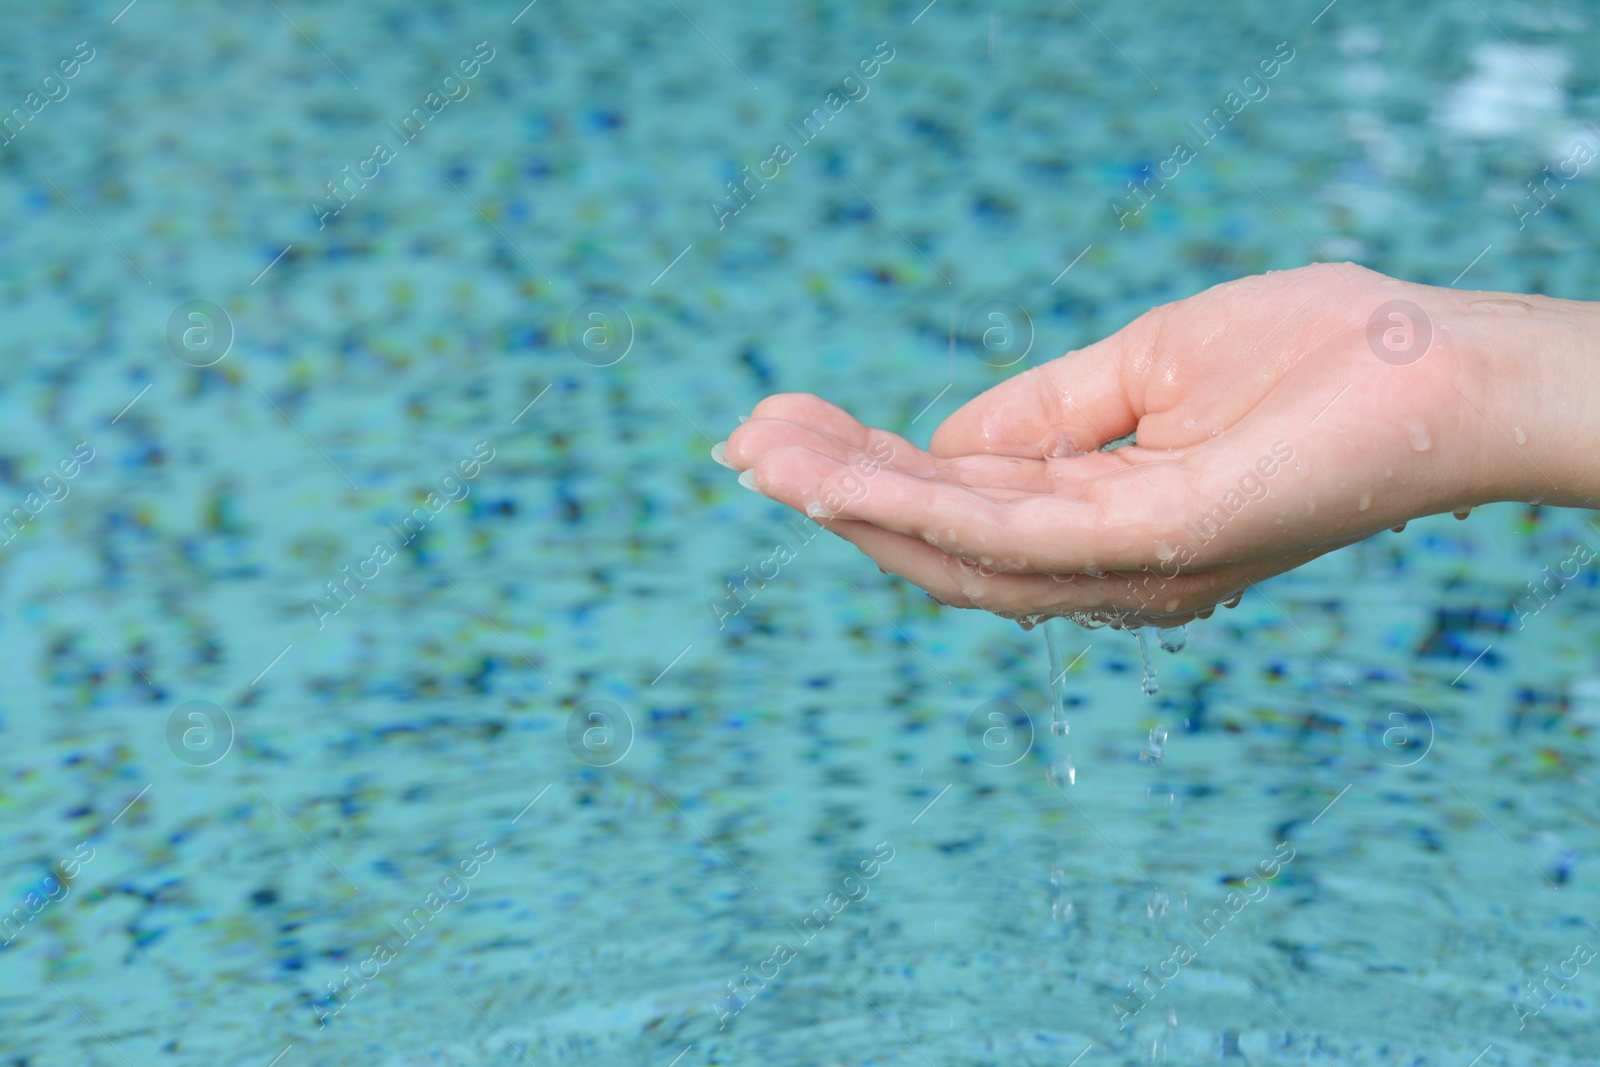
1537	405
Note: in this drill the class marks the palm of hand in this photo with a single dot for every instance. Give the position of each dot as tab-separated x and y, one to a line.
1268	432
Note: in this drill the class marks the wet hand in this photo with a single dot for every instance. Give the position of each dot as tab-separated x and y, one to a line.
1277	417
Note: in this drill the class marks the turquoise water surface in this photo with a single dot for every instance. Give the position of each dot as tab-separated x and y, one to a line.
375	690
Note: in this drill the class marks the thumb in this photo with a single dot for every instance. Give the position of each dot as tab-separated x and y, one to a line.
1072	404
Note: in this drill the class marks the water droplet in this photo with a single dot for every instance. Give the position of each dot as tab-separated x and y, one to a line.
1157	908
1417	434
1165	551
1398	529
1173	638
1062	446
1521	438
1462	513
1502	307
1060	900
1062	774
1149	682
1365	502
1155	749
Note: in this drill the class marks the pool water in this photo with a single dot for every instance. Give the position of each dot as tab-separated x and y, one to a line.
387	681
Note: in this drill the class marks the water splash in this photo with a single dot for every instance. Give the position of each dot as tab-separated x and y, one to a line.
1149	684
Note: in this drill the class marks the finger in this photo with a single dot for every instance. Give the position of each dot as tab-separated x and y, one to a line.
815	412
1119	599
1068	477
759	436
1075	403
809	421
1119	525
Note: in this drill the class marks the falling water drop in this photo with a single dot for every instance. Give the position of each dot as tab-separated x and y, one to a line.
1173	638
1149	684
1062	774
1155	749
1061	900
1157	907
1055	663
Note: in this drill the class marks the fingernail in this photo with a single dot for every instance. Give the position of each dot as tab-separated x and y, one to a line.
748	479
719	452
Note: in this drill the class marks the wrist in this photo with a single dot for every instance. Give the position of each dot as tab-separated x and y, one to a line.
1532	395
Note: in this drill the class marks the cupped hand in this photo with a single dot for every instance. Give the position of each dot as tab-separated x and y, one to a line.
1271	426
